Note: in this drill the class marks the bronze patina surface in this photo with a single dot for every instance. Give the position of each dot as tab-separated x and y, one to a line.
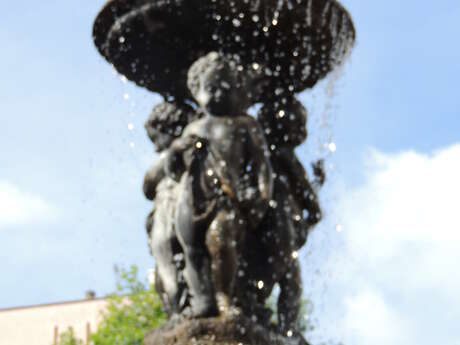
295	43
233	204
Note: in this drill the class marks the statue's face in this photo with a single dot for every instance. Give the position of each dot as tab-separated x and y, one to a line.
160	138
221	93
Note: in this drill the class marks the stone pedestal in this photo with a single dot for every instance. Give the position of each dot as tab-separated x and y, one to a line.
232	330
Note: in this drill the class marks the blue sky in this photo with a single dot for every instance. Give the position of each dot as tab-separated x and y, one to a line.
70	169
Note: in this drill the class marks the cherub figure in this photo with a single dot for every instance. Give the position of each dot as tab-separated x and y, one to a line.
222	162
166	123
294	210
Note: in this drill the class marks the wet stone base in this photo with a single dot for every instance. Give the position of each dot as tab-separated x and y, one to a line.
235	330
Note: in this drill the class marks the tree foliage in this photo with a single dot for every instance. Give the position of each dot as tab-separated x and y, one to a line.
133	311
68	338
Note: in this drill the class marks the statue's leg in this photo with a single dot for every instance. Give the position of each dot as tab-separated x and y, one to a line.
197	272
289	300
148	228
167	272
162	293
222	240
153	244
198	277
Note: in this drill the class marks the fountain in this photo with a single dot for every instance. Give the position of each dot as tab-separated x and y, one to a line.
233	204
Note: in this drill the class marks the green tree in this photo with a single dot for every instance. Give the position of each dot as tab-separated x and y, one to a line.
133	311
68	338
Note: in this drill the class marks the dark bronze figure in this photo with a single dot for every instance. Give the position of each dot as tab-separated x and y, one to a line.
271	257
166	123
233	203
225	178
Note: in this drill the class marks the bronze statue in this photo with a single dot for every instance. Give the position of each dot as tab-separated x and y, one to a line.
232	202
272	257
225	175
166	123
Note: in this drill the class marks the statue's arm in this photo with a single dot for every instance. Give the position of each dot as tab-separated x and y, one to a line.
175	164
153	177
301	187
258	151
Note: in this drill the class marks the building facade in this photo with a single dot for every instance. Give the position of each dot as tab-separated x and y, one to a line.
41	325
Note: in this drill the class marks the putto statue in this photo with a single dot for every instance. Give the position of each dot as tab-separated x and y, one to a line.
226	182
231	197
272	255
165	124
233	205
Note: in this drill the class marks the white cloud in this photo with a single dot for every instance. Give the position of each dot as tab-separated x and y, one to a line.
397	268
21	208
369	319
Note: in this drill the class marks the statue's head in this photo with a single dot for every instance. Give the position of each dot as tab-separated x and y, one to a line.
166	122
284	122
219	85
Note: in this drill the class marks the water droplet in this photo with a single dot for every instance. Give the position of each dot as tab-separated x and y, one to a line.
265	28
278	91
332	147
210	172
290	333
199	145
121	39
255	18
275	22
281	113
295	255
255	66
236	22
123	79
260	284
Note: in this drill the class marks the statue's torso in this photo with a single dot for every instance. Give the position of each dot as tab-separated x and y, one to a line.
165	205
228	139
